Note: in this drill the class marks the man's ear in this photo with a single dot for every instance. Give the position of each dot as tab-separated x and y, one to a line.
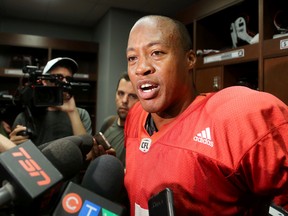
191	58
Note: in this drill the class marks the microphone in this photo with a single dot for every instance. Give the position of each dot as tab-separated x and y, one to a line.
84	142
102	183
161	203
65	156
105	177
26	174
68	160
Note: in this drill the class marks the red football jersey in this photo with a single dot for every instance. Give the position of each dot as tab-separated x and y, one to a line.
226	154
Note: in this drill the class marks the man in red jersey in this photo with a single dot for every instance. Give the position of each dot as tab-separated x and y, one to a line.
222	153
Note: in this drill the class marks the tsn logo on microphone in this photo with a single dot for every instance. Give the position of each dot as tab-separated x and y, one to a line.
29	170
72	203
31	167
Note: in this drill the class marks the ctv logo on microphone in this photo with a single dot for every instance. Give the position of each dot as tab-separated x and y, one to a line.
77	200
72	203
31	166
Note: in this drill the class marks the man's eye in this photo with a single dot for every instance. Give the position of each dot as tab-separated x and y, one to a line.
69	79
157	53
133	97
121	94
131	58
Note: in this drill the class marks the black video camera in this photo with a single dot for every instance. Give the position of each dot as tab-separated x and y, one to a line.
35	94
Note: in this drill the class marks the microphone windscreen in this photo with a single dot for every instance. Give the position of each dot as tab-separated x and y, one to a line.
105	177
84	142
65	156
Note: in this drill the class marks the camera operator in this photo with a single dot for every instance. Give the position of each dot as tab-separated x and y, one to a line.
53	122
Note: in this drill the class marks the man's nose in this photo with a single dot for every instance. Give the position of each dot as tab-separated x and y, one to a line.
125	98
144	67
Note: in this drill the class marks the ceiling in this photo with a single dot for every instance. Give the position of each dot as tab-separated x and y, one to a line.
84	12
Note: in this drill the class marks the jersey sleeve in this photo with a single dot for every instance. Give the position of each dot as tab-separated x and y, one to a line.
265	166
255	126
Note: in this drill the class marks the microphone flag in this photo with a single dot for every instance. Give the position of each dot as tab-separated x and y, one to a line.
28	171
77	200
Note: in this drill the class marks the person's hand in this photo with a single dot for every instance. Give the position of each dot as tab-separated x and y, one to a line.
69	104
6	127
5	143
18	139
98	150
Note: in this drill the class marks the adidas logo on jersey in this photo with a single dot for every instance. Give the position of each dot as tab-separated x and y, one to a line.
204	137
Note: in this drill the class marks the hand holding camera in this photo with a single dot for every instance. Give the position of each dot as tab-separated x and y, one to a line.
20	134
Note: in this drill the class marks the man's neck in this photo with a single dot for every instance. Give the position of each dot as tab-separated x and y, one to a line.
120	122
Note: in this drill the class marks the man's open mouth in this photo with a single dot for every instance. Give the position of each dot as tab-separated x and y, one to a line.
148	87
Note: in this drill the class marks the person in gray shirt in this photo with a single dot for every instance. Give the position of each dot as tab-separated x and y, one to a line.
113	126
54	122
